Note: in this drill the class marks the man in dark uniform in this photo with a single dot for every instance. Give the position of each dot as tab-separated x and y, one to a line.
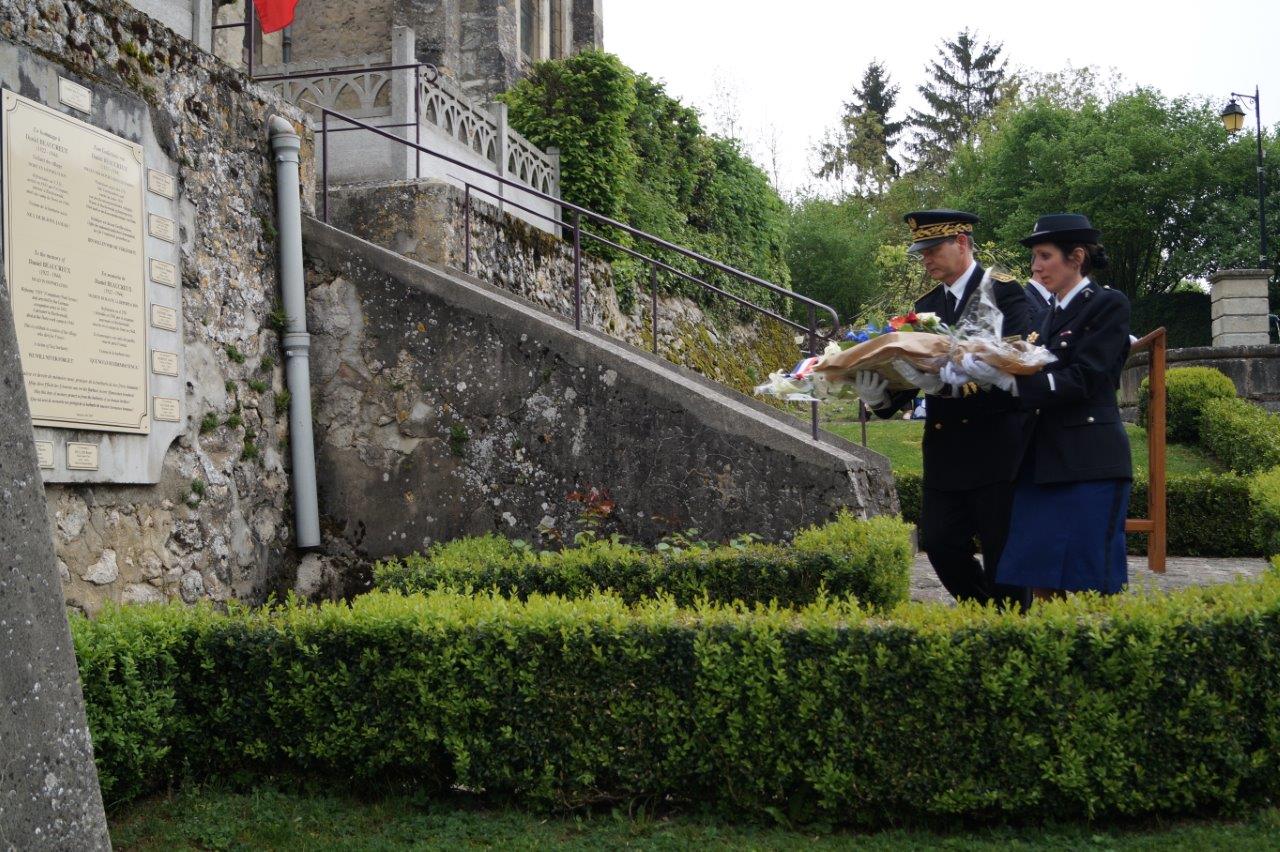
1039	303
972	444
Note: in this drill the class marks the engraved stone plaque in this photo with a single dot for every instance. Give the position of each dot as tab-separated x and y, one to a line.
162	228
167	409
165	318
164	273
82	456
164	363
74	258
44	453
72	94
161	183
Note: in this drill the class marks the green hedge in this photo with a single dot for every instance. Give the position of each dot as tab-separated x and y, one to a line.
1264	492
869	559
1241	435
1209	514
1187	389
1134	705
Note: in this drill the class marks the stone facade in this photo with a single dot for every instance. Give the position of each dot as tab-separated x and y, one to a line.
445	407
1239	311
1255	370
218	523
425	221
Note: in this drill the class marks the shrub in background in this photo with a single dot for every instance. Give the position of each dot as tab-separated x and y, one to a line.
1187	389
870	559
1241	435
1130	706
1208	514
1264	491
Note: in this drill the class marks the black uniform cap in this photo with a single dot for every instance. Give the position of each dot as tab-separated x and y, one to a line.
1062	228
930	227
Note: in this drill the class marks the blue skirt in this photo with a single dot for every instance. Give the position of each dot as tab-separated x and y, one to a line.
1068	536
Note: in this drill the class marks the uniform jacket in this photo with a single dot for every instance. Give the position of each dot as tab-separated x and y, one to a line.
1077	434
1037	307
976	440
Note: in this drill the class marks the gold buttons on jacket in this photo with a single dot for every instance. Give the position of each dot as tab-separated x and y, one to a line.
1090	420
937	425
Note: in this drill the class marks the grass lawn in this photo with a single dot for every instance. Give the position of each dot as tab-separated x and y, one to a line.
900	441
269	818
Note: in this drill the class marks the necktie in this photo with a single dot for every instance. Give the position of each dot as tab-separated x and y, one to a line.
951	307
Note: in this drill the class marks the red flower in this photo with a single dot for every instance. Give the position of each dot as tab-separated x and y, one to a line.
912	319
898	322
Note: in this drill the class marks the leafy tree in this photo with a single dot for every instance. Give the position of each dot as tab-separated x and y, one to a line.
964	86
1159	177
831	250
865	139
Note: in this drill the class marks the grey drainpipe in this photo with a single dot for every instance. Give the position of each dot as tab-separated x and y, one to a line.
297	343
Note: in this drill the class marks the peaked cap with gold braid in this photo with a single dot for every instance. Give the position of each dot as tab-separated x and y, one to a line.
930	227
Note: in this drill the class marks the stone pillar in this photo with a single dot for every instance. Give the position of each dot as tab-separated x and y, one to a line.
588	25
404	87
1239	307
49	796
499	112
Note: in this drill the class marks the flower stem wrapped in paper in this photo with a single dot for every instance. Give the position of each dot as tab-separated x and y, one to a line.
918	339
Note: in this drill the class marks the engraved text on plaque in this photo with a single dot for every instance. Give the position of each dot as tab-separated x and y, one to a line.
74	259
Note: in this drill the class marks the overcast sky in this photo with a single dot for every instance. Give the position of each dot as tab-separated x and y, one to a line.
790	65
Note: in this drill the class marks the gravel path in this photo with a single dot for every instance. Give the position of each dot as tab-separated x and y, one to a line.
1180	572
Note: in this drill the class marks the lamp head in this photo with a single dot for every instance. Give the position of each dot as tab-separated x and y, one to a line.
1233	116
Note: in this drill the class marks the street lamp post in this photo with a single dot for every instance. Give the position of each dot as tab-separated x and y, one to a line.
1233	120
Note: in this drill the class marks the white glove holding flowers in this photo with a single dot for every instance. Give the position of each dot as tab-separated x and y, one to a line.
952	375
985	374
871	387
927	382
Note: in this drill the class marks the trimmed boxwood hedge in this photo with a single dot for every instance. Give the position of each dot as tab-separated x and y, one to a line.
870	559
1241	435
1187	389
1088	707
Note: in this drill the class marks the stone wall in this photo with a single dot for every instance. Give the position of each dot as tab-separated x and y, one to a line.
218	525
446	407
1255	370
425	221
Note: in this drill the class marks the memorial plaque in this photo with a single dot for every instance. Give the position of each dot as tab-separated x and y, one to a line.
162	228
44	453
72	94
164	363
164	273
161	183
165	318
82	456
167	409
74	257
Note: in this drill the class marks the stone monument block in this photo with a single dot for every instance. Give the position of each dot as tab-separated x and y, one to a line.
1239	307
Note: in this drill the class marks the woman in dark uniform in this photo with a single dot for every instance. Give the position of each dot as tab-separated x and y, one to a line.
1067	528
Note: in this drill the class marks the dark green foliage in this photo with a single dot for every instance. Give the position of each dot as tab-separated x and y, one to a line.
1209	514
1241	435
257	386
964	86
1187	389
1264	490
868	559
831	249
282	400
909	495
1088	708
234	421
866	135
458	438
208	423
632	152
1184	315
234	354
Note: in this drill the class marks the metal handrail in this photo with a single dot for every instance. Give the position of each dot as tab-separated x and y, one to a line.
813	306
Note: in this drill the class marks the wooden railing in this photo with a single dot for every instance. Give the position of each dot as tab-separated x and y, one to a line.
1155	524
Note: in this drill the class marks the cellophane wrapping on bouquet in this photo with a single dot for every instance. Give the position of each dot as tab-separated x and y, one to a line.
979	332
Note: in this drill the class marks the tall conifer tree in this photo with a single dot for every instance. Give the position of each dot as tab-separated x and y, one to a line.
963	88
865	139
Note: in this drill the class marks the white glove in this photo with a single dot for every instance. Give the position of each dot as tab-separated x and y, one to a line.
985	374
927	382
953	375
872	388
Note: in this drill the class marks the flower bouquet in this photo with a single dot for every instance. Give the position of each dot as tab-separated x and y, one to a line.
918	339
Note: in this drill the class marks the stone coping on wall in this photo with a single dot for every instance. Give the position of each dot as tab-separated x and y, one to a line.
1255	370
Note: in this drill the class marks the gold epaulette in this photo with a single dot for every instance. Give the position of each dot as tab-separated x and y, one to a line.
1002	277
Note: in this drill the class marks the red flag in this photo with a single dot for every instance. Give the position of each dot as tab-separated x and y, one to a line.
274	14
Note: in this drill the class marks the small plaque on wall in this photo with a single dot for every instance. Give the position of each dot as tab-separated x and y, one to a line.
164	363
162	228
82	456
168	410
164	273
72	94
161	183
44	453
164	318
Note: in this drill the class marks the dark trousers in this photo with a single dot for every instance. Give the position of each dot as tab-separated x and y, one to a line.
949	523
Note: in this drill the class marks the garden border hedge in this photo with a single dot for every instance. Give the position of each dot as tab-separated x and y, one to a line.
870	559
1088	707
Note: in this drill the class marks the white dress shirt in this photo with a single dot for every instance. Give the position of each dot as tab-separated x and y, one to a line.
956	288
